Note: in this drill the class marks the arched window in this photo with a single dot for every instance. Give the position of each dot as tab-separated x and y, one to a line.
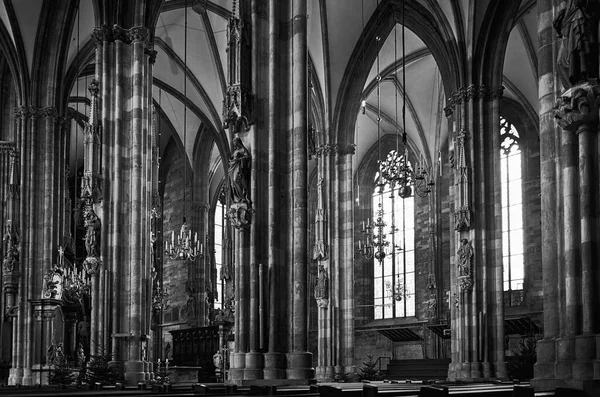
394	276
219	229
512	212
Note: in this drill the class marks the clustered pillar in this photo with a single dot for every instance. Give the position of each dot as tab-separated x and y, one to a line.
271	335
476	300
123	63
569	353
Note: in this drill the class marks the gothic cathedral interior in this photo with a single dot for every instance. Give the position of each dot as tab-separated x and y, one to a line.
284	191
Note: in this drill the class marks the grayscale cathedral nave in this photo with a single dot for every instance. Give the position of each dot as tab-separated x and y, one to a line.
276	192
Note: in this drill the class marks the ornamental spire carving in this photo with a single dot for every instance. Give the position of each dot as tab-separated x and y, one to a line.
237	103
462	214
91	182
320	247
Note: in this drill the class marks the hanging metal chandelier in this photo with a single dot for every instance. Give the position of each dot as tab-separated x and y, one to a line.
185	247
375	243
397	170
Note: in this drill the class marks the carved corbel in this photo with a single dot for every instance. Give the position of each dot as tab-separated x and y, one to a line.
578	107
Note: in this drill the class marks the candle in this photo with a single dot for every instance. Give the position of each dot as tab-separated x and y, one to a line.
172	237
201	248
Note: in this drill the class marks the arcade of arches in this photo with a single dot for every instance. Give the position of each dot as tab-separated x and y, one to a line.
296	186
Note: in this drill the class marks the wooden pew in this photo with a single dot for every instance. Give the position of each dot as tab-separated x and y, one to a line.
562	391
433	391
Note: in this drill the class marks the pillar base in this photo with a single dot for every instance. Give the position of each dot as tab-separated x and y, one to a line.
501	370
15	376
238	364
275	364
325	373
300	366
585	354
255	363
134	372
476	372
27	379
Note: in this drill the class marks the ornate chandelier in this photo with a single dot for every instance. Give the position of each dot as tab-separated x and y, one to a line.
184	246
397	290
401	175
375	243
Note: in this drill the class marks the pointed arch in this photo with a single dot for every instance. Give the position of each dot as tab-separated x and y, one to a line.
419	20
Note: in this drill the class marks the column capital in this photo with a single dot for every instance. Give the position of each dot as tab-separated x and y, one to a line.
578	107
471	92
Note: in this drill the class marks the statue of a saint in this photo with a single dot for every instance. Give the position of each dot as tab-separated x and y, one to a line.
218	360
83	331
239	173
80	355
465	255
92	235
321	288
577	26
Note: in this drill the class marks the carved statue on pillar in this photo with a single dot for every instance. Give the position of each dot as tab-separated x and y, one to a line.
92	235
322	287
432	307
239	185
465	264
239	173
11	251
577	26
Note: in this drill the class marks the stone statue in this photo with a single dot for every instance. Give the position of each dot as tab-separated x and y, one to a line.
11	252
54	354
432	306
465	256
80	355
239	173
577	26
92	235
322	287
218	360
83	331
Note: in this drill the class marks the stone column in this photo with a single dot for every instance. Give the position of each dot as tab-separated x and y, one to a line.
576	347
476	275
545	367
275	360
123	66
346	265
299	359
